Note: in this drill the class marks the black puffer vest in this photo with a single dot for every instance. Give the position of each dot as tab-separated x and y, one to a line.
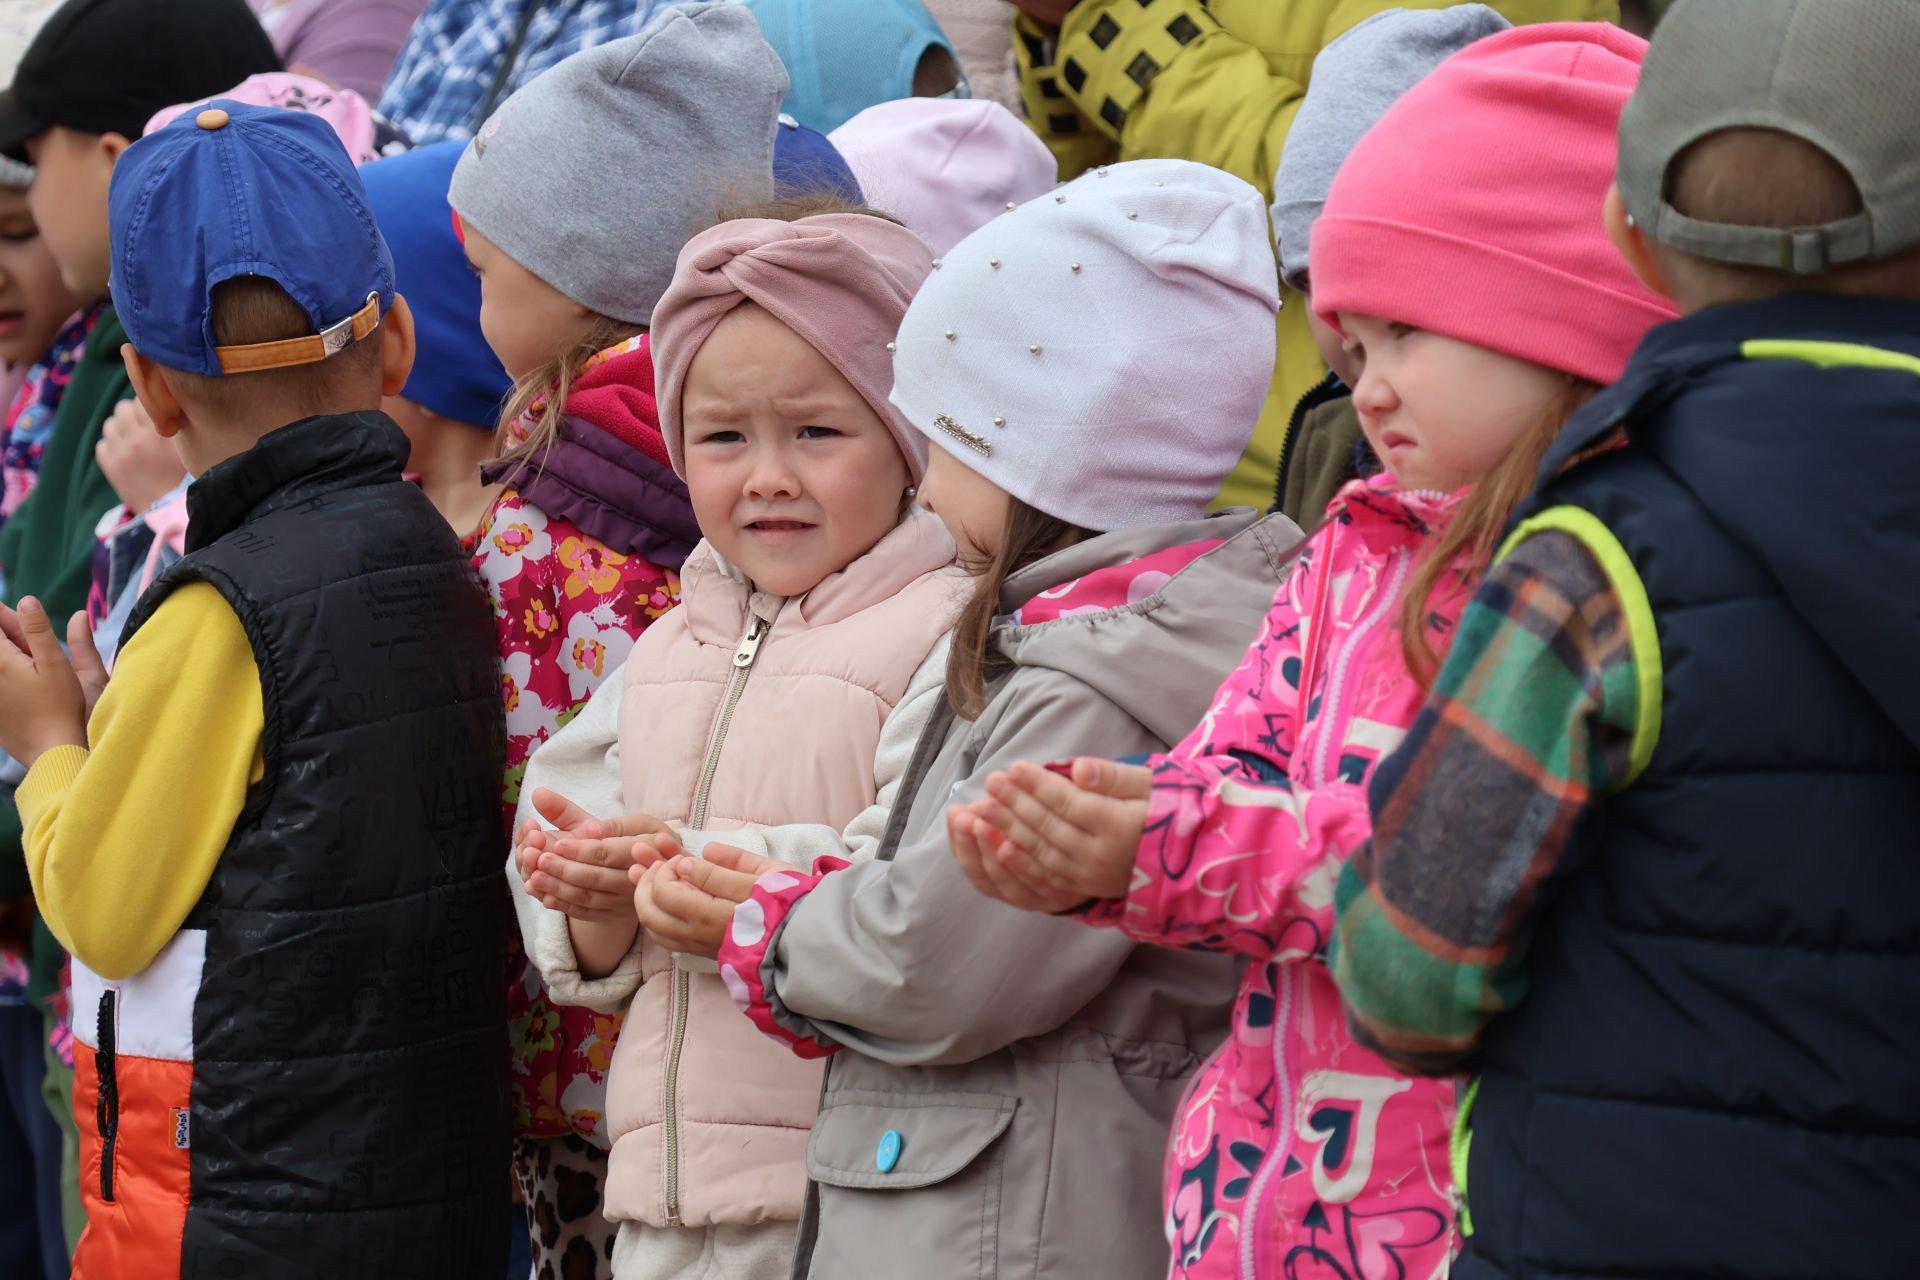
349	1113
1717	1070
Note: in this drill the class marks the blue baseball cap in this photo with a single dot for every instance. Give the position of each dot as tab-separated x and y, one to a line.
805	163
455	372
236	190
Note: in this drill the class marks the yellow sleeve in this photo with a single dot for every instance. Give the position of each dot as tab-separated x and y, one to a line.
122	839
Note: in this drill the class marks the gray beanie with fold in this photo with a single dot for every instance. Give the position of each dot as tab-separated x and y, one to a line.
1355	79
595	173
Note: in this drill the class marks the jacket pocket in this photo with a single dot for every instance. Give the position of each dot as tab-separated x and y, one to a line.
909	1179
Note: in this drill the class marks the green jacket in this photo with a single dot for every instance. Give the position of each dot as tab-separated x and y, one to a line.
1217	81
47	549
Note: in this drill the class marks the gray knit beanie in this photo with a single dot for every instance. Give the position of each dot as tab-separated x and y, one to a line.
1355	79
593	174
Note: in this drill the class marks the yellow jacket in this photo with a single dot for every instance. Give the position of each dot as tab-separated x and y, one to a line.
1218	83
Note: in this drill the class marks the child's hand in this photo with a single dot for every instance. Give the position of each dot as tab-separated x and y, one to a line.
581	868
1079	836
994	866
42	702
137	460
686	905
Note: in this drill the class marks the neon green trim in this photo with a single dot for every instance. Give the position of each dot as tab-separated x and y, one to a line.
1830	355
1643	637
1457	1146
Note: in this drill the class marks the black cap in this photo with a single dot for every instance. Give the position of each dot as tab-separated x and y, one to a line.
105	66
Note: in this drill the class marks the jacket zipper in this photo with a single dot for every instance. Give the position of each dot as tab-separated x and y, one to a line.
743	658
1285	1123
107	1109
1343	661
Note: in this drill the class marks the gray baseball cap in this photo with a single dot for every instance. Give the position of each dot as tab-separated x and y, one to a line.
1839	74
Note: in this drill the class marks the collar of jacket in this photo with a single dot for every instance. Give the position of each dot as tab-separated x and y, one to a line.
717	598
297	462
1672	355
1386	517
609	489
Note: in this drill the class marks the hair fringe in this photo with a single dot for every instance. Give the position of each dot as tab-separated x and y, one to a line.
1477	525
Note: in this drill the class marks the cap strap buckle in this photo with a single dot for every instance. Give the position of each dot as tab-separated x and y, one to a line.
330	341
1806	251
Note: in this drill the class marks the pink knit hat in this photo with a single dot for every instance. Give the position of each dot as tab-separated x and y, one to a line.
841	281
1473	208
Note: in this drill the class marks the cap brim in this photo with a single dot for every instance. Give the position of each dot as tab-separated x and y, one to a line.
17	125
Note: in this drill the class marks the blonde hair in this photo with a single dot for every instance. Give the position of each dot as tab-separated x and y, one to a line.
1473	535
543	394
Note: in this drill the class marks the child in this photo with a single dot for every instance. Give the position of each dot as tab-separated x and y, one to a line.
582	548
1355	79
84	88
38	339
1296	1147
148	532
1217	81
946	167
288	1014
997	1081
453	396
845	55
1668	776
789	688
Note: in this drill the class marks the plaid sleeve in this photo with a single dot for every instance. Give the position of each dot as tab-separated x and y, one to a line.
1535	713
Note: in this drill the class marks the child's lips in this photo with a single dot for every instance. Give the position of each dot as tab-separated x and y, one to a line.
10	322
779	530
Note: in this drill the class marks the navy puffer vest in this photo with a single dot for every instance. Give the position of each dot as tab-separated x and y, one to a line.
1717	1071
349	1112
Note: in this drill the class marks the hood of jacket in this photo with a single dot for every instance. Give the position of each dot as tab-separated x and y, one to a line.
1187	632
1797	439
607	469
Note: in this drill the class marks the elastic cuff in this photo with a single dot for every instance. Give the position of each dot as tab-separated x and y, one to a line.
48	780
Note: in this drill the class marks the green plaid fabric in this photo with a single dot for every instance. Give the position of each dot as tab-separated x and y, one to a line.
1479	812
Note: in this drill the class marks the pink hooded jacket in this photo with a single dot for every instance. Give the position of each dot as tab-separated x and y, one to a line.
1295	1152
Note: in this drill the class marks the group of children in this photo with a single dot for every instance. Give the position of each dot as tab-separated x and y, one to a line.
922	817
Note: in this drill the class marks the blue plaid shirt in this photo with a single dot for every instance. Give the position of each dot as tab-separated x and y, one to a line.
439	86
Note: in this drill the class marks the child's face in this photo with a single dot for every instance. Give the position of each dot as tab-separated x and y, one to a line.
1438	412
526	321
71	174
792	473
973	508
34	303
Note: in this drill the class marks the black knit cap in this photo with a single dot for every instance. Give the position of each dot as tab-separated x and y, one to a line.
105	66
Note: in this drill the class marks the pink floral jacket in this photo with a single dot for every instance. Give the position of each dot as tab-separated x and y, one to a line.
1296	1153
579	556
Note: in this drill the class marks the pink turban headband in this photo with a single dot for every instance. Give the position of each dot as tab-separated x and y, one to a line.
841	281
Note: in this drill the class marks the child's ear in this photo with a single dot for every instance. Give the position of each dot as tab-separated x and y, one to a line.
396	347
112	144
1633	244
155	393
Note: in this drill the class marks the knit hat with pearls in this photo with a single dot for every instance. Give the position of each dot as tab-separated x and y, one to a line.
1102	352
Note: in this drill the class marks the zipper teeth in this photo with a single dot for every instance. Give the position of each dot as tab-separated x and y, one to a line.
682	984
1284	1123
1344	660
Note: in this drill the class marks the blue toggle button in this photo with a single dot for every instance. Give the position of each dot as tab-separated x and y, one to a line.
889	1153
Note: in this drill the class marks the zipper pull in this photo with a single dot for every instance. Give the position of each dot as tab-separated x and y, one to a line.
750	646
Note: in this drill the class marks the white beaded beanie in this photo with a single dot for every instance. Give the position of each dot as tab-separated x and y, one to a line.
1102	352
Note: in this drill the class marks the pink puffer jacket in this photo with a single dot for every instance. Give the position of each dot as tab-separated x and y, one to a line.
1295	1152
747	710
